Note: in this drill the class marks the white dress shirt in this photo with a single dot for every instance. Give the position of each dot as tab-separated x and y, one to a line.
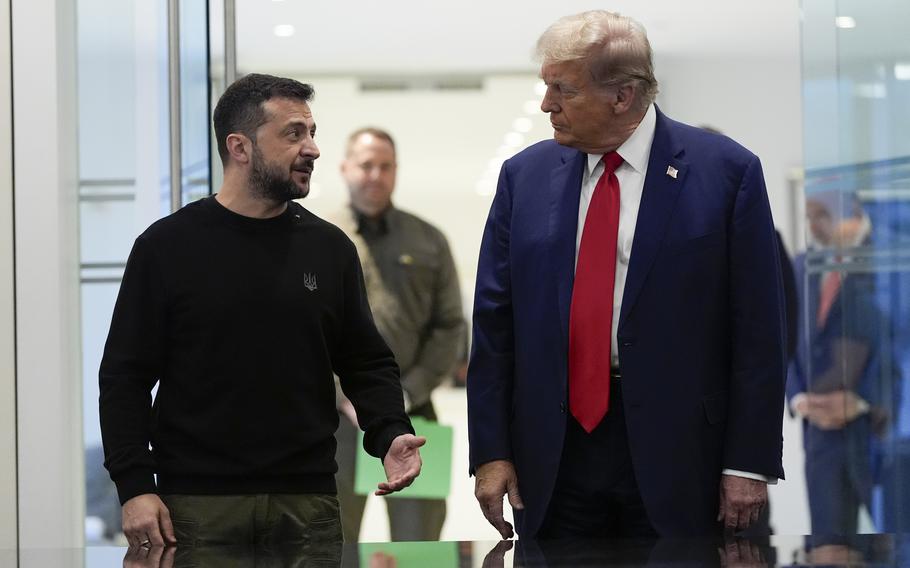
635	152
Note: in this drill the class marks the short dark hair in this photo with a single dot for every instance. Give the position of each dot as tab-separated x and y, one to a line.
372	131
240	107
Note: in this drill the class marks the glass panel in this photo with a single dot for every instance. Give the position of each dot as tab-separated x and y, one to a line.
194	100
854	357
124	174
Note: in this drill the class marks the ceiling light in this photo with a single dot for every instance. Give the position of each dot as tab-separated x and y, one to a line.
902	71
284	30
531	107
845	22
522	124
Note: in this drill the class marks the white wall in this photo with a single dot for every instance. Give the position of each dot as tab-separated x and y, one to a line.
8	513
51	486
756	101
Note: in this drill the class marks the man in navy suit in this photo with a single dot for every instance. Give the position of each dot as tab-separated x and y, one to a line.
627	369
842	382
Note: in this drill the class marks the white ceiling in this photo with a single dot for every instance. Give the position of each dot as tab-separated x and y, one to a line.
475	36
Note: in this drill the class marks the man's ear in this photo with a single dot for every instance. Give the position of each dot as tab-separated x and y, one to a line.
625	99
240	148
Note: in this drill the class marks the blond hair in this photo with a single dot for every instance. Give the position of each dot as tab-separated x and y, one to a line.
616	46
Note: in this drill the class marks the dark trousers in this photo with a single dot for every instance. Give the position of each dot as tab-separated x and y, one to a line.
596	494
310	523
838	478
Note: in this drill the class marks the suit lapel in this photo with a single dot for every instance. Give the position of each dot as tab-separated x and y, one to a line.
658	201
565	193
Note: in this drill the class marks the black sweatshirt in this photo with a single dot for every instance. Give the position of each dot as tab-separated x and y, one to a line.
242	323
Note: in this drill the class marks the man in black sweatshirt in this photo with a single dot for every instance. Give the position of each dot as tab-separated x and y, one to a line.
240	307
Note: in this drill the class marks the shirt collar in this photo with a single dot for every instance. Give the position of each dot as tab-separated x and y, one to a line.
637	148
378	225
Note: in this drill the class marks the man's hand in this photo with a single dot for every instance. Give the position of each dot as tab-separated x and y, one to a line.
741	501
382	560
147	522
402	463
741	553
492	480
144	557
834	410
496	558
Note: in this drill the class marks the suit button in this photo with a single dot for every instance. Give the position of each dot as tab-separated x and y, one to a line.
562	407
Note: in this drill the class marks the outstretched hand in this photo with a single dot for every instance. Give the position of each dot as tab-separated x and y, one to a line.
402	463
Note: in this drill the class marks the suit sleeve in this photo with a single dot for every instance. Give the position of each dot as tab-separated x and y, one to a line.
492	363
754	441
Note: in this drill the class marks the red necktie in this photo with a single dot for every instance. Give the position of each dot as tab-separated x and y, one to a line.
591	315
830	287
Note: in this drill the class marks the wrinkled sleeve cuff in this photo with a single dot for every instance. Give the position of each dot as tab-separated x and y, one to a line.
134	483
380	445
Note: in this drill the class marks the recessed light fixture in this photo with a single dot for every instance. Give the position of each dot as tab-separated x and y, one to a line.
540	88
845	22
284	30
902	71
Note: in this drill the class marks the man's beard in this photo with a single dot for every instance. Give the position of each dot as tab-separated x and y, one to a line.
269	182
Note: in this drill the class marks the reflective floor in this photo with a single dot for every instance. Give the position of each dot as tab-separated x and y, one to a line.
864	550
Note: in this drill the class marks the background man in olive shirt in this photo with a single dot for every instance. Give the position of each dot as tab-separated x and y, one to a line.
413	291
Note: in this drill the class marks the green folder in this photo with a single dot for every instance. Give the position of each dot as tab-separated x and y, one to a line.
411	554
435	477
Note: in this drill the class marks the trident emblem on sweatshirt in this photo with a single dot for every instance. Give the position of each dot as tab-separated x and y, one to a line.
309	282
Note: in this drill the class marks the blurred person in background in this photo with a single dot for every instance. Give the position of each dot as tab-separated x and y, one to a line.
414	295
842	382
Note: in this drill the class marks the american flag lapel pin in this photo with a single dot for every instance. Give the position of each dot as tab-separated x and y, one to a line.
671	171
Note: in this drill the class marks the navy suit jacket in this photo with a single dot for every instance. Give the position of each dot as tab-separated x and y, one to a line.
700	329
